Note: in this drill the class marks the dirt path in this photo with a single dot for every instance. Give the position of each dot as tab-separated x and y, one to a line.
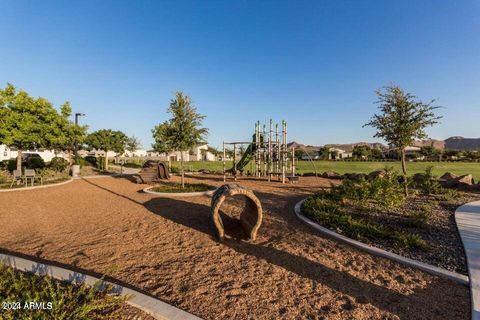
167	248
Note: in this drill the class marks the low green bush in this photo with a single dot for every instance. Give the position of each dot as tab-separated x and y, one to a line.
58	164
327	213
68	301
35	163
428	183
10	165
384	190
419	218
81	162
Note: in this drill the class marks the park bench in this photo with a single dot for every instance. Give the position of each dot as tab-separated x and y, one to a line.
29	175
17	176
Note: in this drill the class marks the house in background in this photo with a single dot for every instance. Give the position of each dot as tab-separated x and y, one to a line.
197	153
140	153
337	153
7	153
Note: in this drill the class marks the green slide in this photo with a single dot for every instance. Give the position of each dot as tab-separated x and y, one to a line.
247	156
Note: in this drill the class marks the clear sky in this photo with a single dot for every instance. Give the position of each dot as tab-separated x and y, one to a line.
315	64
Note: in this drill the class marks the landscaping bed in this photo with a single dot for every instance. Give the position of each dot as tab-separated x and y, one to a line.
420	227
58	300
177	188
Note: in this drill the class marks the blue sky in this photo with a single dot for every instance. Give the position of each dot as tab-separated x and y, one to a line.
315	64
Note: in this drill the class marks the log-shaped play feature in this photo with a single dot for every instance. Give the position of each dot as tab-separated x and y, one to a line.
153	171
250	217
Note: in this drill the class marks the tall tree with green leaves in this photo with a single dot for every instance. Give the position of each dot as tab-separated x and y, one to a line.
362	152
182	131
73	134
107	140
402	119
30	123
133	144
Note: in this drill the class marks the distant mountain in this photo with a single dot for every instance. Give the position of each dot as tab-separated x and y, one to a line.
456	143
348	147
437	144
461	143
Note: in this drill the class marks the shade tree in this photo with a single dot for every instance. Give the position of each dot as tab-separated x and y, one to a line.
182	131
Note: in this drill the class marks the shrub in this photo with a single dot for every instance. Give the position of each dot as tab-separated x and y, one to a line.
419	218
98	163
69	301
385	190
410	240
428	183
4	176
81	162
325	212
9	165
35	163
59	164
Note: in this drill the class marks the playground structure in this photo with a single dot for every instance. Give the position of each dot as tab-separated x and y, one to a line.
251	216
153	171
267	154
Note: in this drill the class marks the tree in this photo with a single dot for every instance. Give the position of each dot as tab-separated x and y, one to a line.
429	152
182	131
71	133
362	152
402	119
324	153
377	153
107	140
30	123
133	144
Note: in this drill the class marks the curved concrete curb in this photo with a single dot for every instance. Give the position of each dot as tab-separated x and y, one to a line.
178	194
38	187
440	272
467	218
154	307
95	176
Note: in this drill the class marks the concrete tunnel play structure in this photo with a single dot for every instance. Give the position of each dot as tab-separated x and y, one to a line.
153	171
250	217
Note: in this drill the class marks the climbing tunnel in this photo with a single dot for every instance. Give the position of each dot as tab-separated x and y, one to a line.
250	217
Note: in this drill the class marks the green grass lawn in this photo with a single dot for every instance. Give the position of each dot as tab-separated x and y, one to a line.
342	167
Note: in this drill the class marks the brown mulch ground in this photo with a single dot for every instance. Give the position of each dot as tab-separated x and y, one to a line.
166	247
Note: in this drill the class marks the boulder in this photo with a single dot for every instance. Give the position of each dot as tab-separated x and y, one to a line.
466	180
355	176
458	182
331	175
448	176
376	174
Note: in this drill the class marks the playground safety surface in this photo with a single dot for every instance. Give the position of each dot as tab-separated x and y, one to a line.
167	247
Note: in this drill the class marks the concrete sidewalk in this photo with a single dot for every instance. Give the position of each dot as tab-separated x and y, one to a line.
467	218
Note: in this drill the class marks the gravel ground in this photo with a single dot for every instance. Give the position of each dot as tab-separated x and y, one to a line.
167	247
440	231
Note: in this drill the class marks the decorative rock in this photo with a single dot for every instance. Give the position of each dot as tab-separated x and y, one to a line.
250	218
466	180
459	182
331	175
448	176
376	174
355	176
